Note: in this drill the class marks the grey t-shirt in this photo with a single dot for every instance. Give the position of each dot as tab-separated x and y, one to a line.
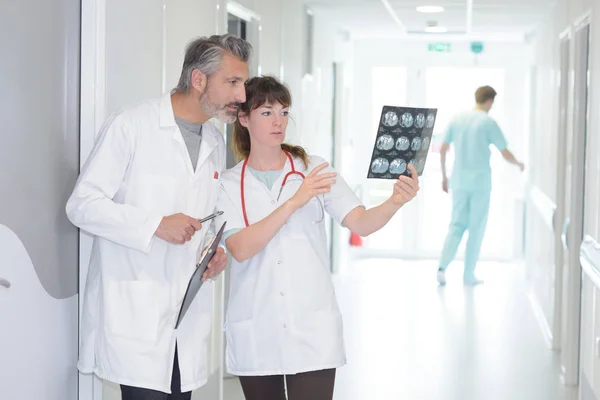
192	136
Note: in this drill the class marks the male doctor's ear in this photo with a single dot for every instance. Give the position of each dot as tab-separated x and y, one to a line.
243	118
199	80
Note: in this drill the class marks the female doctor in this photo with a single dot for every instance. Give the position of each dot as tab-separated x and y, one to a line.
283	321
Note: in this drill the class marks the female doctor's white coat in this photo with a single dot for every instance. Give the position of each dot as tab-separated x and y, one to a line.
138	172
282	316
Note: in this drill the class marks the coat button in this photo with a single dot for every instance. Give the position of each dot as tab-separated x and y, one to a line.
279	262
272	201
283	294
284	326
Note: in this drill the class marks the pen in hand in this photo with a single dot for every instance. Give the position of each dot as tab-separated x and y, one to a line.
211	216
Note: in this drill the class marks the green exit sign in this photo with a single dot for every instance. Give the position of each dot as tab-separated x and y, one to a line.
440	47
477	47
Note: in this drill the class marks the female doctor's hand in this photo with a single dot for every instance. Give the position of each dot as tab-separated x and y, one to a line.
314	184
216	265
405	188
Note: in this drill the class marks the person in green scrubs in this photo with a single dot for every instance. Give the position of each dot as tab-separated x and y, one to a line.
472	132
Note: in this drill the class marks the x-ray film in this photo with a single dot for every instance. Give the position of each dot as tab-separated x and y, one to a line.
403	137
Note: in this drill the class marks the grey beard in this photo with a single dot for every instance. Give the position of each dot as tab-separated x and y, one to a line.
216	111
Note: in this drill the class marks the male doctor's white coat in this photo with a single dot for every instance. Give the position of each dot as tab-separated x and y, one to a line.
282	316
138	172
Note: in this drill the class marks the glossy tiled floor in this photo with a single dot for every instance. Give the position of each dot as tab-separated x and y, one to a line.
409	339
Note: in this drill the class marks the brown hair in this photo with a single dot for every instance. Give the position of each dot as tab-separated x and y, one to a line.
484	94
259	91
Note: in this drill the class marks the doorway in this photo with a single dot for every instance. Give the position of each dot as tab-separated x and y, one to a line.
429	213
238	27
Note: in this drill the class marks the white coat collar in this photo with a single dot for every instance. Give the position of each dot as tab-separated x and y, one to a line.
209	142
167	117
209	131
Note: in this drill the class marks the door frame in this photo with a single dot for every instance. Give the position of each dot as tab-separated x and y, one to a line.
564	101
570	357
92	115
254	36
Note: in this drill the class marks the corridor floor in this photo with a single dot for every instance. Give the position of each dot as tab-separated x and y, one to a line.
407	338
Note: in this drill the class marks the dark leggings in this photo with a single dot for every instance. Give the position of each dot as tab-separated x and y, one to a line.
314	385
134	393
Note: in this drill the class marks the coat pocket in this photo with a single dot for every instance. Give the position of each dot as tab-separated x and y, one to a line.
241	346
324	333
132	309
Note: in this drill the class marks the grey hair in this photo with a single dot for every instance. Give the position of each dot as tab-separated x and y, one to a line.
205	54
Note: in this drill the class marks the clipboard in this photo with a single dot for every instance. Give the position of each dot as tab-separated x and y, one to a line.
403	137
195	282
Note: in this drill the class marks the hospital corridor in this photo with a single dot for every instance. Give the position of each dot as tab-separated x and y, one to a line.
83	203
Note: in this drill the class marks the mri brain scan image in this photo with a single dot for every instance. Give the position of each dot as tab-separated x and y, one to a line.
404	137
430	120
407	120
402	143
390	118
420	121
416	144
380	165
385	142
398	166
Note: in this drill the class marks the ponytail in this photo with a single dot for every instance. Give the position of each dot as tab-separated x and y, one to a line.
241	141
296	151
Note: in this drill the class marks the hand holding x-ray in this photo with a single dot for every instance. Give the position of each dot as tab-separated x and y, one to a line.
403	138
405	188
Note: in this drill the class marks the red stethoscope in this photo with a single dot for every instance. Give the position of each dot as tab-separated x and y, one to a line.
285	178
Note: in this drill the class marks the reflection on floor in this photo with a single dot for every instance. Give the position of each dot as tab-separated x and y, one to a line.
407	338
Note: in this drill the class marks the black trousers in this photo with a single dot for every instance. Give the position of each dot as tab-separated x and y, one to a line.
134	393
314	385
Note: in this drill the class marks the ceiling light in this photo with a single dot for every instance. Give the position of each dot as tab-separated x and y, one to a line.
430	9
436	29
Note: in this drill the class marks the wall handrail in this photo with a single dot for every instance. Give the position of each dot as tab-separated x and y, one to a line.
545	206
589	257
4	283
564	234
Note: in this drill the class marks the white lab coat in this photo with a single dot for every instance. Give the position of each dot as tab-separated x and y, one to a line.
138	172
283	316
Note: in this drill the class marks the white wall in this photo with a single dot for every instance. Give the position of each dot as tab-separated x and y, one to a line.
541	246
39	155
563	16
145	42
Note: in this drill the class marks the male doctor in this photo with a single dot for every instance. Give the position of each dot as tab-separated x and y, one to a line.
153	172
472	133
